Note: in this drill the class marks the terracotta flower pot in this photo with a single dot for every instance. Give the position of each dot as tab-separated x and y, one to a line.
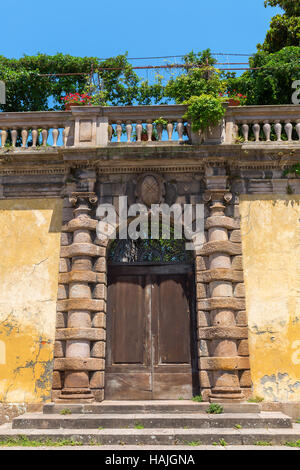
69	105
233	102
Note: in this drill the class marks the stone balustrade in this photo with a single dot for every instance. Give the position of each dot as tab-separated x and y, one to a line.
263	124
93	126
35	129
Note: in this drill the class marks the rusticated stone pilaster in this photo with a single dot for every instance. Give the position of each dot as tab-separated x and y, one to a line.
223	338
79	361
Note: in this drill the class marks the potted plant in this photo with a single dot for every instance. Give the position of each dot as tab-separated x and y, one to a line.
234	99
75	99
204	112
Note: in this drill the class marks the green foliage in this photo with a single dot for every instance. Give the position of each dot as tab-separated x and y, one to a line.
221	442
201	81
114	82
24	441
272	82
204	111
291	7
263	443
284	31
139	426
214	408
256	399
294	169
293	443
194	443
27	91
238	426
66	411
197	398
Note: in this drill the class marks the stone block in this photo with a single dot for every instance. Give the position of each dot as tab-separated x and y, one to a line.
98	349
235	236
239	290
97	380
237	263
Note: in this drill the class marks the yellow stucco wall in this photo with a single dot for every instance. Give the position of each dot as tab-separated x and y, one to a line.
29	259
271	256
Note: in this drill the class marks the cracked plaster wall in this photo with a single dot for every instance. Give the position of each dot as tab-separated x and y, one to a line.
29	248
271	255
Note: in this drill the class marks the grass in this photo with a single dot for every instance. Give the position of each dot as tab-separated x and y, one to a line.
298	421
263	443
221	442
194	443
256	399
214	408
139	426
23	441
293	443
197	398
66	411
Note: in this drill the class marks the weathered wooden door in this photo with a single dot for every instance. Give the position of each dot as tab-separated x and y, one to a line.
151	332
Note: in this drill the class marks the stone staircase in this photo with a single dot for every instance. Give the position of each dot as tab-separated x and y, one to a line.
161	423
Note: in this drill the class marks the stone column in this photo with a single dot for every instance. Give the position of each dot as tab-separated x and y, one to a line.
80	336
220	337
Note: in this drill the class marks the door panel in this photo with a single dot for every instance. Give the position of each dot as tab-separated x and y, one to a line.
149	353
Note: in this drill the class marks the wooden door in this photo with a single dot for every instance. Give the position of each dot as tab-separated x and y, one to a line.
151	332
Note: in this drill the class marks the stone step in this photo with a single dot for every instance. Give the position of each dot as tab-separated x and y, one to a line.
148	406
158	421
167	437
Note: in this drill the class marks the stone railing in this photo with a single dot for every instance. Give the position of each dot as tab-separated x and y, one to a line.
34	129
263	124
90	126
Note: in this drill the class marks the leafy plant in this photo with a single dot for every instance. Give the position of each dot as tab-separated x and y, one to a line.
214	408
66	411
294	169
255	399
197	398
161	121
139	426
204	111
262	443
238	426
293	443
194	443
221	442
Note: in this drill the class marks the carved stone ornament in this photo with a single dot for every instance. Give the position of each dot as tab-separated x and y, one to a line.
150	189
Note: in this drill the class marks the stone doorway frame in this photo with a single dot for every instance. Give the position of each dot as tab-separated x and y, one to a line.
223	360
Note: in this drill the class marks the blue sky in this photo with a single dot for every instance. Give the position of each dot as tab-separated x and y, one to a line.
143	28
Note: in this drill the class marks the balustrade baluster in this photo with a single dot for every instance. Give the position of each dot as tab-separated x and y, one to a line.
14	135
44	137
119	130
110	131
55	134
245	131
128	131
278	128
267	131
297	127
179	129
189	130
170	130
24	135
139	130
149	127
159	129
288	130
34	136
4	134
256	131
